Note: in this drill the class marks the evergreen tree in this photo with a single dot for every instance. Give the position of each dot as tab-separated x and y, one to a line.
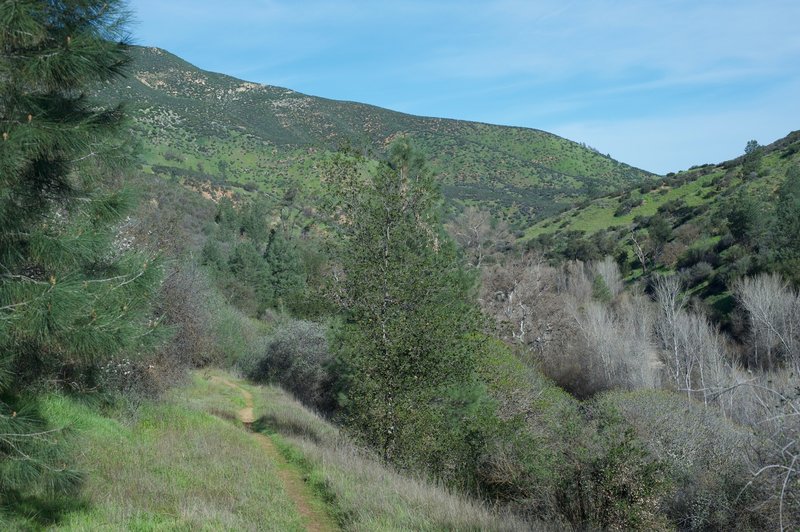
406	344
786	226
70	293
745	215
250	286
751	162
286	272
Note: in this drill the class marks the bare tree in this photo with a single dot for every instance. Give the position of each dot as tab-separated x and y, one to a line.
670	305
639	248
772	410
479	234
695	354
619	340
773	310
608	270
520	294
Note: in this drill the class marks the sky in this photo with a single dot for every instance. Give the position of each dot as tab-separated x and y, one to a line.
658	84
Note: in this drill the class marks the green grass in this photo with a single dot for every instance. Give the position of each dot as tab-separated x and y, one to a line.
707	187
599	214
175	467
186	464
365	494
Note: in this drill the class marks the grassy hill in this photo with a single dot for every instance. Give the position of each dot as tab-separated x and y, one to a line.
185	463
695	212
205	126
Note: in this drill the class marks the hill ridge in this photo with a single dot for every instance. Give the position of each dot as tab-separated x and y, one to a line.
198	124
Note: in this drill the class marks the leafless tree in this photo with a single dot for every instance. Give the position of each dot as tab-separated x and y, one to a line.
619	340
479	234
695	354
608	270
520	294
639	247
773	412
773	311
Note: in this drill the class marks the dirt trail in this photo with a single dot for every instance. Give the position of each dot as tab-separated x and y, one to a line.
314	519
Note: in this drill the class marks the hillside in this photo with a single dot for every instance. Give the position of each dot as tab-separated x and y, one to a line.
712	223
186	463
206	126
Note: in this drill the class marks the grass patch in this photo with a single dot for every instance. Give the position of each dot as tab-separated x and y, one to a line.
363	493
182	465
175	467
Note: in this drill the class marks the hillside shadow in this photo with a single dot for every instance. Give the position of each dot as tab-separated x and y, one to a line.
41	511
270	424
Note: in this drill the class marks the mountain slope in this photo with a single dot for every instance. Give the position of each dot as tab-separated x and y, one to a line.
712	224
199	124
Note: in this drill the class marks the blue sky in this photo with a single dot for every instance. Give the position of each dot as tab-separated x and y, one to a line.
660	84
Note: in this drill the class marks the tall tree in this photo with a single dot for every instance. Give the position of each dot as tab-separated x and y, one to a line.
409	312
287	274
751	163
70	291
786	226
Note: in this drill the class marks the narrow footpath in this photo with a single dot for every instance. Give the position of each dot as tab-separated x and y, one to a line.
315	519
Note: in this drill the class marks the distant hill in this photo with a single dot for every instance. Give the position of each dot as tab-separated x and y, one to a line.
201	125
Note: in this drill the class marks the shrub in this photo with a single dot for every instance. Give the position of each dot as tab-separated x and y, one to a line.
184	303
620	484
704	458
297	358
628	204
533	447
697	274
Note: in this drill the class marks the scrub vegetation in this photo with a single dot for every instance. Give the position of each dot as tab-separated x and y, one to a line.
242	326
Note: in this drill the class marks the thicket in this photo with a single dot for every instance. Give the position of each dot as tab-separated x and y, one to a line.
597	344
296	355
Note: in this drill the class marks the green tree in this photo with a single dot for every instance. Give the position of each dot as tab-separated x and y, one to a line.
226	217
660	230
406	345
786	226
250	283
71	292
745	215
753	153
286	271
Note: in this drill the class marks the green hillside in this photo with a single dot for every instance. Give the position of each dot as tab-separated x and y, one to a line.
712	223
185	463
205	126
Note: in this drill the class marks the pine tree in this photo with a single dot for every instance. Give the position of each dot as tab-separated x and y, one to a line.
287	275
409	312
70	293
786	226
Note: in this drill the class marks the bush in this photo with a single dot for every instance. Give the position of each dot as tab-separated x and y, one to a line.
628	204
184	302
297	358
704	457
552	458
533	448
697	254
697	274
133	382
